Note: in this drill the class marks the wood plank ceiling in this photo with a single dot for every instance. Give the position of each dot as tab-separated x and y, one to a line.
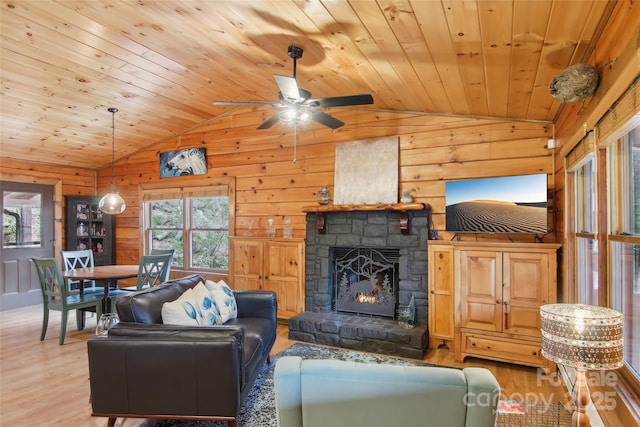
162	63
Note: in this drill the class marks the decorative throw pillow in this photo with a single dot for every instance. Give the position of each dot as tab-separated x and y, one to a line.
209	313
182	311
223	295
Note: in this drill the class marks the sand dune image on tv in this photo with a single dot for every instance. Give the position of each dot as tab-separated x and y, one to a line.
515	204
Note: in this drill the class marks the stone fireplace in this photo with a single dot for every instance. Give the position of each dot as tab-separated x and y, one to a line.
389	246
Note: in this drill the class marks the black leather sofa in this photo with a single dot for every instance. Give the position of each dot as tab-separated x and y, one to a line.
145	369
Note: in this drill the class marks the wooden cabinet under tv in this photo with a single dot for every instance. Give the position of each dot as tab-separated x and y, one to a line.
274	264
498	290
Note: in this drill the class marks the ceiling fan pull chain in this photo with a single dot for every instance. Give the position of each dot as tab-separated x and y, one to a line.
295	140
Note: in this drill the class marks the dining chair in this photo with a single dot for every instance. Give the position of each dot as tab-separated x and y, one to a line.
56	296
165	252
80	259
152	271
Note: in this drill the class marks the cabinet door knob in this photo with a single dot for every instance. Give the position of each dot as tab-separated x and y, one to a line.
432	291
498	301
473	344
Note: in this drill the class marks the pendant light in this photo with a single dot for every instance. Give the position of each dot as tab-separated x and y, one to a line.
111	203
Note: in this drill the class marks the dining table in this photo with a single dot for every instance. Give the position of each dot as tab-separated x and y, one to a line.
108	274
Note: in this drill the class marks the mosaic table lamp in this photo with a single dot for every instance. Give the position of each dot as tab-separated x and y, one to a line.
584	337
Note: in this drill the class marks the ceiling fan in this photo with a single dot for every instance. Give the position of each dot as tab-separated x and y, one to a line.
296	105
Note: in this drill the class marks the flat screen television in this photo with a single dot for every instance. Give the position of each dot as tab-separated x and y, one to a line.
511	204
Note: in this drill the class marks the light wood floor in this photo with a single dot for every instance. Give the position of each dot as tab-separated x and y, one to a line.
45	384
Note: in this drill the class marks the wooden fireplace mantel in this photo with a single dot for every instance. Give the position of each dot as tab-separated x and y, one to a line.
403	208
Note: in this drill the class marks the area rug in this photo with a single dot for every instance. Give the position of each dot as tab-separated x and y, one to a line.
543	414
259	407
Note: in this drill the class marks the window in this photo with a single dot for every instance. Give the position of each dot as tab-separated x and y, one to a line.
193	221
623	161
586	242
583	225
21	219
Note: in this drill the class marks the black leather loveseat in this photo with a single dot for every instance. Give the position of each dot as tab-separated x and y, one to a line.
145	369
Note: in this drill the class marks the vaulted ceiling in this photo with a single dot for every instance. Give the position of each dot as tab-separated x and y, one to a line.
162	63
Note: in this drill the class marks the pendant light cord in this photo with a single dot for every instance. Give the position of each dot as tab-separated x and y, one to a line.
113	111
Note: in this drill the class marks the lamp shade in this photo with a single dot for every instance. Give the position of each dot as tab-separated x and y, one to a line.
582	336
112	203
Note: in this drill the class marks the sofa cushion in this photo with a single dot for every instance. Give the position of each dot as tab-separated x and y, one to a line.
224	298
335	392
176	332
208	311
146	306
261	329
182	311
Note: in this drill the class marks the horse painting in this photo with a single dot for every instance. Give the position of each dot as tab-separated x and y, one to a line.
183	162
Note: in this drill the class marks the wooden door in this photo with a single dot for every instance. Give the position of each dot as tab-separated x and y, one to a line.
246	264
480	289
526	288
441	315
283	274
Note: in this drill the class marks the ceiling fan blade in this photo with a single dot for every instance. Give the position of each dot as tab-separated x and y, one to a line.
288	86
272	121
326	119
251	103
341	101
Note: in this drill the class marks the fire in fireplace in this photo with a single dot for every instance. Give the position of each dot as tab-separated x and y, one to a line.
365	280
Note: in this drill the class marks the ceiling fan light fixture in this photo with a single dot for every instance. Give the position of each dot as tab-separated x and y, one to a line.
112	203
296	106
295	115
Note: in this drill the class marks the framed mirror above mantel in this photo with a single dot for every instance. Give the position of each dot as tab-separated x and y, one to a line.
402	208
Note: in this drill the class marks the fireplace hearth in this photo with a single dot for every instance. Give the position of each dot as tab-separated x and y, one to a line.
395	261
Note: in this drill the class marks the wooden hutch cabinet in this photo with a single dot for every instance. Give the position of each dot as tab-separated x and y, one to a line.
86	227
498	290
273	264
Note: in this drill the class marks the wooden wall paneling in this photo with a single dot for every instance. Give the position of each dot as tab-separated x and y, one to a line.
477	151
308	163
469	132
484	168
305	194
270	185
